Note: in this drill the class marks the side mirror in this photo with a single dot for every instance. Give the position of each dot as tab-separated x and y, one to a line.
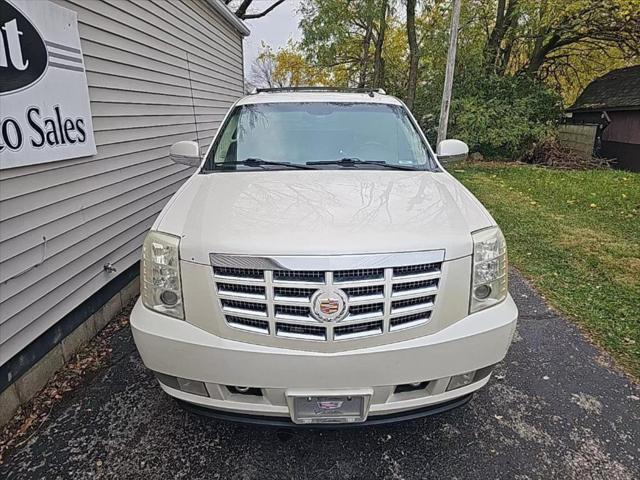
186	153
450	151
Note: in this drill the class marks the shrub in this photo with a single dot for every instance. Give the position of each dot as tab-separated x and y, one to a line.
501	117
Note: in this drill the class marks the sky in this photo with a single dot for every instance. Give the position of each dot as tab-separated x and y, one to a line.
275	29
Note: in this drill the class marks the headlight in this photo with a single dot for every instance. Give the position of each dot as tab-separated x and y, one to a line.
161	288
489	283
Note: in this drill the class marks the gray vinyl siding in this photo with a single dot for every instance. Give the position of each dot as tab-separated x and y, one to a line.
159	72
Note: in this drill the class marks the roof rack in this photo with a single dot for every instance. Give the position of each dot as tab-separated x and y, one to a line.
370	91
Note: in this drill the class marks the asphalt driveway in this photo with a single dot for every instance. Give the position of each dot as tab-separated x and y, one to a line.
554	409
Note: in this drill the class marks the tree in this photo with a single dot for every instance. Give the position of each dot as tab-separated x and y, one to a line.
339	34
522	52
262	69
496	54
378	60
366	44
241	10
286	67
540	37
413	53
562	27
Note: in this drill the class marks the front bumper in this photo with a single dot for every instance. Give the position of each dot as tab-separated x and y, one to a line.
179	349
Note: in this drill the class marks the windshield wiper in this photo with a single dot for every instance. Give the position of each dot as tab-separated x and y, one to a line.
353	162
258	162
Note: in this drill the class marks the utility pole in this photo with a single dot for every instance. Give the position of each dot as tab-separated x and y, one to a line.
448	77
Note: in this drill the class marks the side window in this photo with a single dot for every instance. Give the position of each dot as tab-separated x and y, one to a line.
227	148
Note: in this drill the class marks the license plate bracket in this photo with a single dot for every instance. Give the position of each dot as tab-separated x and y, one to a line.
329	408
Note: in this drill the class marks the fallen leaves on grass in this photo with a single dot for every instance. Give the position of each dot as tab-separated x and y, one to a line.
579	245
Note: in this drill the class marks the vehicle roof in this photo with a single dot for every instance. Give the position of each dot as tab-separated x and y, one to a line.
295	97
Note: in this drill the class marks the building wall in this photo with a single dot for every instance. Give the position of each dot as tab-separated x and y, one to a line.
619	141
624	127
158	72
579	138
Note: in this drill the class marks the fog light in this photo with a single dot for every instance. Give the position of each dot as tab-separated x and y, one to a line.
482	292
410	387
168	380
240	390
462	380
169	298
193	386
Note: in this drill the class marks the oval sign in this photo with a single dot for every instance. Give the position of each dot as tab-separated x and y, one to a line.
23	54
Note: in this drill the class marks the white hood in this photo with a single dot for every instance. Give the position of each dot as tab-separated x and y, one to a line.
322	212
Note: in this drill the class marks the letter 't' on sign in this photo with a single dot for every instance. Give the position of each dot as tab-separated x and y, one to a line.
23	54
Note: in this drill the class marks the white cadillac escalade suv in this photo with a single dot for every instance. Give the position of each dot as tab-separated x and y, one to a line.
321	267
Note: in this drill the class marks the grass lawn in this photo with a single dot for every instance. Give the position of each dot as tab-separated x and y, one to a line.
576	236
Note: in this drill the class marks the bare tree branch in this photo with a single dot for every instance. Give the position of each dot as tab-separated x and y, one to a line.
242	8
247	16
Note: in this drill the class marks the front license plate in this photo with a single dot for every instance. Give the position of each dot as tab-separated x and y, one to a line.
329	409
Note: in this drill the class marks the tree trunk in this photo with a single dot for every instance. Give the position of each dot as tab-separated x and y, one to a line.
505	58
541	50
364	62
413	53
494	54
378	62
541	47
493	43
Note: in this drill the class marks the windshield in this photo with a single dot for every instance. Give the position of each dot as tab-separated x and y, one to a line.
303	133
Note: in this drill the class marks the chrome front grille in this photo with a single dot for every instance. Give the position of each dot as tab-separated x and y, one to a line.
293	312
273	295
361	312
288	294
412	304
358	330
241	307
301	332
242	291
416	270
406	321
362	275
235	273
249	324
286	276
372	292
